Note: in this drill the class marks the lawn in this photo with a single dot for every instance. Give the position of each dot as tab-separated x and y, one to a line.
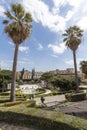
22	114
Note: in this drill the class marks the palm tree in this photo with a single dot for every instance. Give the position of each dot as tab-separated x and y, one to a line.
72	37
18	29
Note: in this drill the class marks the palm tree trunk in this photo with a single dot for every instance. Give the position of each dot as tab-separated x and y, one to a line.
12	96
75	67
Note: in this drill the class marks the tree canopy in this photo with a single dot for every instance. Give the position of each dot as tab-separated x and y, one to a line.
72	37
18	26
83	67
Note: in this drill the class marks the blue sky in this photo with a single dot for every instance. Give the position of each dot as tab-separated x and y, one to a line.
45	50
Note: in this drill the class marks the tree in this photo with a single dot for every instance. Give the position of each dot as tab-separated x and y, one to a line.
18	29
33	74
72	37
47	77
22	73
83	67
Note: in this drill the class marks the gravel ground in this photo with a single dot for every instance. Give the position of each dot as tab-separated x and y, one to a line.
78	109
5	126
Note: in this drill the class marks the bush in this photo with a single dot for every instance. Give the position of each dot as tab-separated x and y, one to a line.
64	82
8	104
73	97
5	93
40	91
41	106
31	103
43	120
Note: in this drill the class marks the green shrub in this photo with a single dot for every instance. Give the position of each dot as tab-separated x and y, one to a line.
40	91
42	119
20	99
64	82
73	97
55	93
30	103
19	96
8	104
5	93
41	106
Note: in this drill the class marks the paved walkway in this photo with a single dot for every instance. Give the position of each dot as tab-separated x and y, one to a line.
83	86
5	126
57	98
75	108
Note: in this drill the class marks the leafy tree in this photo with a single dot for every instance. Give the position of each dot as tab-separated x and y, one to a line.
7	74
83	67
47	77
64	82
72	37
18	29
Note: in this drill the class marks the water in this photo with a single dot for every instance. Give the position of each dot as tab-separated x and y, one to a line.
29	89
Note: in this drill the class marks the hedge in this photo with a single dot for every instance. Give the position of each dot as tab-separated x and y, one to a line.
73	97
8	104
42	119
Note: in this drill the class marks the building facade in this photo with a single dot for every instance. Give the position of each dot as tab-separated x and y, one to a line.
28	75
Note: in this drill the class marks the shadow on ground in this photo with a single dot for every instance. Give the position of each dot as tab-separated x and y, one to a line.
79	114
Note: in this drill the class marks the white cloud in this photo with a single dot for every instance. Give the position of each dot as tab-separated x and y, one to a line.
11	43
2	10
41	14
6	64
38	44
52	19
57	49
58	3
23	49
24	63
40	47
83	22
71	62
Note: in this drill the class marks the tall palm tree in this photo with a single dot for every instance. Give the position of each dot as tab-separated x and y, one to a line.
72	37
18	29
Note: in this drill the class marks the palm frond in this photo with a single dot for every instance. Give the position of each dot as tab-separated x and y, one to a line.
27	18
64	34
5	22
18	32
19	29
72	37
65	39
8	14
18	10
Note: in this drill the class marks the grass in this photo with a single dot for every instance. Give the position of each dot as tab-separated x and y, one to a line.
40	91
23	115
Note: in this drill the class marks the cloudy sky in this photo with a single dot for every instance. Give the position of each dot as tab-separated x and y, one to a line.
45	49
